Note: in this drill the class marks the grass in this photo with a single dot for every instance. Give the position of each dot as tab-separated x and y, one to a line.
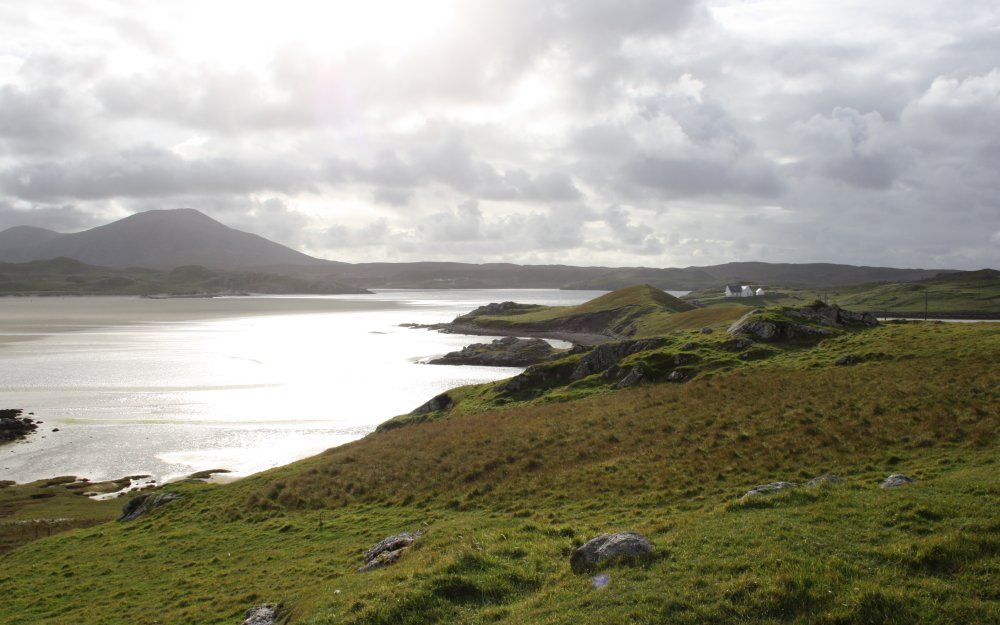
619	313
505	494
976	292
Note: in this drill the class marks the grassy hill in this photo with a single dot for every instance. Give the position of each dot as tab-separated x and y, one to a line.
974	292
504	493
64	276
630	311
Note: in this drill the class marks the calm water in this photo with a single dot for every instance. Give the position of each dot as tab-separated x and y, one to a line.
169	387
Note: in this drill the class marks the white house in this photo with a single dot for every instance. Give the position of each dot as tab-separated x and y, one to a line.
735	290
760	291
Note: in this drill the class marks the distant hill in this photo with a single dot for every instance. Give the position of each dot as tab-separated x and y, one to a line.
158	239
165	239
65	276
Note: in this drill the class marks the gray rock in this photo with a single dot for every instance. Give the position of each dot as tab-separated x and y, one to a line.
143	504
706	330
388	551
676	376
605	356
847	360
689	346
265	614
609	548
897	479
509	351
440	402
633	377
826	478
767	489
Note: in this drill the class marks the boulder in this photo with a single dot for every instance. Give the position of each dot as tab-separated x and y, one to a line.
610	548
264	614
509	351
138	506
826	478
676	376
633	377
388	551
767	489
847	360
439	402
897	479
706	330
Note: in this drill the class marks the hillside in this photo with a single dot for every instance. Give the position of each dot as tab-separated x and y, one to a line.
64	276
618	314
958	293
157	239
504	495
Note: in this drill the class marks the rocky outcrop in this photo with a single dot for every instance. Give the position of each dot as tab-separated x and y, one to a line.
610	548
388	551
439	402
633	377
13	426
896	480
767	489
264	614
143	504
826	478
809	322
509	351
499	309
603	357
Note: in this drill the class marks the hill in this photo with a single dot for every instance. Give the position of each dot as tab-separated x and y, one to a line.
65	276
157	239
618	314
504	494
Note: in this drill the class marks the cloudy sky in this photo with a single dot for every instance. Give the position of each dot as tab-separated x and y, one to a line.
624	132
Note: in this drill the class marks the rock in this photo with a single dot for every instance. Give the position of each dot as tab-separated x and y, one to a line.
265	614
633	377
706	330
138	506
847	360
440	402
499	309
689	346
767	489
676	376
13	426
605	356
826	478
388	551
897	479
609	548
509	351
817	320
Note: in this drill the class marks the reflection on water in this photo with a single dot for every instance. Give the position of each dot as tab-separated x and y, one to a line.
246	384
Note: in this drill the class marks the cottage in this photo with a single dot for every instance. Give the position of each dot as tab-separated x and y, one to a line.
760	291
735	290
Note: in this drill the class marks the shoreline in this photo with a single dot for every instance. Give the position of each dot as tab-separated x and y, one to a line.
583	339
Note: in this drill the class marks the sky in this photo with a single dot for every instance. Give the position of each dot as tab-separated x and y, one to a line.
629	132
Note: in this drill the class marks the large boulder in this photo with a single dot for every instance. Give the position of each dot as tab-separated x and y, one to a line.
767	489
138	506
264	614
610	548
509	351
896	480
388	551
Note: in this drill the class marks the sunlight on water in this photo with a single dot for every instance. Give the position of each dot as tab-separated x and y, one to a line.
244	384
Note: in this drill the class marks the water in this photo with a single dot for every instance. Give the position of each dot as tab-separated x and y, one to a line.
169	387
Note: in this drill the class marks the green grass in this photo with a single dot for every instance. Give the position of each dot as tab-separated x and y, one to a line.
619	313
505	494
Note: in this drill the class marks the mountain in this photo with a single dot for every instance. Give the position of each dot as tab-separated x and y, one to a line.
157	239
165	239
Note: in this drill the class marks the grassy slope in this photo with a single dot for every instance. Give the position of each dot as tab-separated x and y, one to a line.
970	291
506	494
624	311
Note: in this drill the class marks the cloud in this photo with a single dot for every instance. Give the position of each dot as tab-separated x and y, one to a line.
449	130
